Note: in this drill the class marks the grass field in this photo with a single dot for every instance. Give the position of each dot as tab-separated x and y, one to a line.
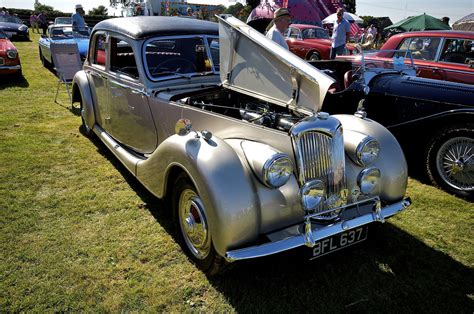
77	232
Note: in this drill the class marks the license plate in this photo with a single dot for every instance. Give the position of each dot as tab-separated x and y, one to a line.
10	34
339	241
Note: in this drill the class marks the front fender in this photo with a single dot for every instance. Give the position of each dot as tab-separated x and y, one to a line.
220	178
391	161
81	91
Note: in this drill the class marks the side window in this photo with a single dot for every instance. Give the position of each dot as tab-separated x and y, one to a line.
179	56
422	48
99	56
122	58
294	33
457	51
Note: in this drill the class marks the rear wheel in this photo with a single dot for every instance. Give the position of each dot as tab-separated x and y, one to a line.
191	221
86	129
450	160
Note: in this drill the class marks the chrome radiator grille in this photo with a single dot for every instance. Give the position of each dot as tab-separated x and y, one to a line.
320	155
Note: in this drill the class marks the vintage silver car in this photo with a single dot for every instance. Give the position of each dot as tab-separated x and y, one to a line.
226	125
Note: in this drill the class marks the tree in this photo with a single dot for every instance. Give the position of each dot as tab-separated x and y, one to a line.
253	3
100	10
43	7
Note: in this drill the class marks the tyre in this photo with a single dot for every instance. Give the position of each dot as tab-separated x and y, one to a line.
86	129
193	229
43	61
314	56
450	160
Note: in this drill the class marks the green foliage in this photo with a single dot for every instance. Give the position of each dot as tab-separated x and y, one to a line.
80	234
43	8
253	3
239	10
100	10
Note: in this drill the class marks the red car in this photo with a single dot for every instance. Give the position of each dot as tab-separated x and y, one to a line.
442	55
9	58
310	42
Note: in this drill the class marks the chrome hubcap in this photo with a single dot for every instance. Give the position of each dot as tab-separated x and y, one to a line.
193	224
455	163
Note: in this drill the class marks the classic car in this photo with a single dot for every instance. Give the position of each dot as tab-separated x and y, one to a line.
63	34
433	120
311	42
442	55
9	57
226	126
14	27
63	21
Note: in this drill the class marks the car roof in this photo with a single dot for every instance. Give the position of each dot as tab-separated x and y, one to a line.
146	26
445	33
302	26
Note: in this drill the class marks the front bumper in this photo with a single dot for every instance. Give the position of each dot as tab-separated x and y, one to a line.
310	232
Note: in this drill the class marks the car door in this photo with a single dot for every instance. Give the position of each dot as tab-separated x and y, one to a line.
96	71
130	115
457	60
295	42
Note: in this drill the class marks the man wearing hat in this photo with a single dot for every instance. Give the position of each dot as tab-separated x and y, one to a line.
281	21
78	22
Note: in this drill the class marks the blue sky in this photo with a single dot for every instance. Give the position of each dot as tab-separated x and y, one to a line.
395	9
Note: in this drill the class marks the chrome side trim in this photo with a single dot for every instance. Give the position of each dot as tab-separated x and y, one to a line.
12	67
312	235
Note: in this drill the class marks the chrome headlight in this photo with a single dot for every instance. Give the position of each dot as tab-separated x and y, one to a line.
23	28
12	54
277	170
367	151
369	180
271	167
312	194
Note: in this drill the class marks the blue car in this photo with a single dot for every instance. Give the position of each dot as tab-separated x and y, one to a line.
64	34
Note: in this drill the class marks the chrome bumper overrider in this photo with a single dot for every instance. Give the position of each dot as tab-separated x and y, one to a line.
313	234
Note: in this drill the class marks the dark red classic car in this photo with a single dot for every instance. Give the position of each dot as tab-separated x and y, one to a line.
310	42
9	58
442	55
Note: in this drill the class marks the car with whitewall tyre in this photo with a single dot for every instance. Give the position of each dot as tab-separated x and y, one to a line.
226	126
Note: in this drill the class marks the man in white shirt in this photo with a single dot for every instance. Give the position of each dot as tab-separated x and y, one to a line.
281	21
340	34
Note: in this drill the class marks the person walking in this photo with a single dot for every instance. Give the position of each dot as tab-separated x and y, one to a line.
34	22
281	21
340	34
43	22
78	22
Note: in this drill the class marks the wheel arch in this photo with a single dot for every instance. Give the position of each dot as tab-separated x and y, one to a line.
220	178
81	91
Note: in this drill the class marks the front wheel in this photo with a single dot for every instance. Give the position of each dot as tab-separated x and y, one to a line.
314	56
450	160
192	223
86	129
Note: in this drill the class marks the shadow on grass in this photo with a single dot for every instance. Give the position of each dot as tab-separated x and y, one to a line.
391	272
7	81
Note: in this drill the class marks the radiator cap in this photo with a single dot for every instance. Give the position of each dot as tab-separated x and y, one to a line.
323	115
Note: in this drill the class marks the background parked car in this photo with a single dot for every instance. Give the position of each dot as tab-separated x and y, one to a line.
441	55
9	57
14	27
310	42
226	125
62	34
63	21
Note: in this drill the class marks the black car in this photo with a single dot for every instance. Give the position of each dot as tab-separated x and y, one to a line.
14	27
433	120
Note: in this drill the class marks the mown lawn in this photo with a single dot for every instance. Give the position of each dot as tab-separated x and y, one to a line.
79	233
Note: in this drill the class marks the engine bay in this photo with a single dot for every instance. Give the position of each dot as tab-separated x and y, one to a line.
246	108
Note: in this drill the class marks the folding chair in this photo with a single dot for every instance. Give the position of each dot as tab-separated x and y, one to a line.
67	62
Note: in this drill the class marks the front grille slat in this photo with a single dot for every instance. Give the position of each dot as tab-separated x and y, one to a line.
320	155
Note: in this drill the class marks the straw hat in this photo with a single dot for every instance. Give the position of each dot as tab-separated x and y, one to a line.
79	6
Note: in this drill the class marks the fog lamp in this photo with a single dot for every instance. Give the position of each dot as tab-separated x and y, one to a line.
312	194
368	180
